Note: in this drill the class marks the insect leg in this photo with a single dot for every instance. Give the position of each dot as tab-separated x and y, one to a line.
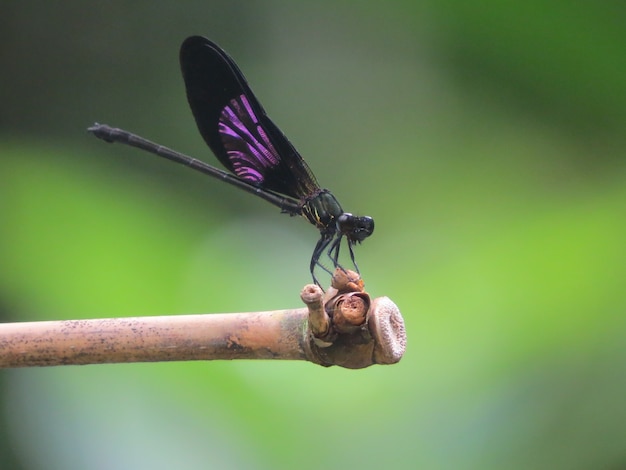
320	247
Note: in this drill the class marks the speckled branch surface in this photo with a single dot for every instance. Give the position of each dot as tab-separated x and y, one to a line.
262	335
342	327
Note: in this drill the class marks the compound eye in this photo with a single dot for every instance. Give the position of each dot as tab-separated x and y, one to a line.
344	219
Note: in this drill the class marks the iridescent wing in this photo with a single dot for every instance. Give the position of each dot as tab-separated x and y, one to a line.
235	126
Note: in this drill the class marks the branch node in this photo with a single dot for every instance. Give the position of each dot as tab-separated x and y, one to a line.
387	328
356	332
319	320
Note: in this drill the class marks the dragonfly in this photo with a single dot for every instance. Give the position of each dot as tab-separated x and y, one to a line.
258	156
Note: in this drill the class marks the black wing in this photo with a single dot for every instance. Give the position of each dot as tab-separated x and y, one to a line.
234	124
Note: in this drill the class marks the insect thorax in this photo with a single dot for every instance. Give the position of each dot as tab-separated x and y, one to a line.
322	209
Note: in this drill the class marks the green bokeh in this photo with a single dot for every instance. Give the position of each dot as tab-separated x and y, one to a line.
486	141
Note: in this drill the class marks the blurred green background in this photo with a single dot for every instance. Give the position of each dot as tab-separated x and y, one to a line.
487	141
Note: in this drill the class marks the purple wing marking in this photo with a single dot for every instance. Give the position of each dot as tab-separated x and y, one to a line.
247	145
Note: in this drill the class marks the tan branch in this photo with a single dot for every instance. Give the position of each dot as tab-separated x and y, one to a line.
342	327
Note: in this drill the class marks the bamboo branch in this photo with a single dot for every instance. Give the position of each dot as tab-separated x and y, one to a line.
342	327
